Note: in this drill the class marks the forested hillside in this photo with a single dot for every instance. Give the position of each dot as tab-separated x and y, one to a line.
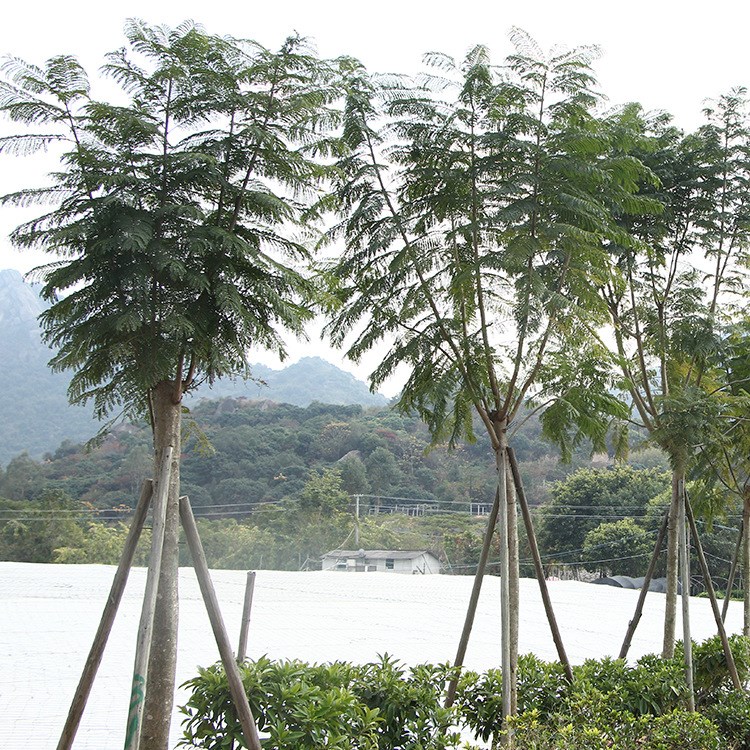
240	454
34	409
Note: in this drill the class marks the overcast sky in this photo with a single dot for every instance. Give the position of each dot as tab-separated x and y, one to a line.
668	55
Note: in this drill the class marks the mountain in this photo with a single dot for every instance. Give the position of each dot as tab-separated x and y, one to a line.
308	380
35	416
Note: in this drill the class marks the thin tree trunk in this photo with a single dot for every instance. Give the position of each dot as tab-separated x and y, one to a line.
633	624
507	688
731	666
738	550
746	569
513	584
159	704
670	606
687	642
474	598
556	637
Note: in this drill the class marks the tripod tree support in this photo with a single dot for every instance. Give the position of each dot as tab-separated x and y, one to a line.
237	690
108	617
246	610
633	624
731	666
521	496
146	624
473	600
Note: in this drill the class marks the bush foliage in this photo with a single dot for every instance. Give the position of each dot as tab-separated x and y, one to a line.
385	706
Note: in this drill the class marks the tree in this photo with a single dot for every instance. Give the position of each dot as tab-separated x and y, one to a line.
473	214
667	300
619	547
579	503
166	215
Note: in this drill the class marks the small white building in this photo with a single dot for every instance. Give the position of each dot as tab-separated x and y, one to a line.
381	560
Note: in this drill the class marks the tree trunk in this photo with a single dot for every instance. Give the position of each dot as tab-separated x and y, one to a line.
513	584
738	550
506	670
670	607
162	664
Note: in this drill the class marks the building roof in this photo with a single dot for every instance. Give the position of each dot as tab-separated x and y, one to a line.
377	554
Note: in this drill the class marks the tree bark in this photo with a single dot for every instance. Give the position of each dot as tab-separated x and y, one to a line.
670	607
506	670
513	584
159	703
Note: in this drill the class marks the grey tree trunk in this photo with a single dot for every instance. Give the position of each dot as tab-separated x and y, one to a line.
506	670
670	607
513	584
159	703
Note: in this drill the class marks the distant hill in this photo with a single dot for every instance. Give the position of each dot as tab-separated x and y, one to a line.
311	379
35	416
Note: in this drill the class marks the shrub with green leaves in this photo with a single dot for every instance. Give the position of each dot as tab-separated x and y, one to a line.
298	706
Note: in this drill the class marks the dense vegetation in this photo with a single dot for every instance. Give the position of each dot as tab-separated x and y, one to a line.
386	706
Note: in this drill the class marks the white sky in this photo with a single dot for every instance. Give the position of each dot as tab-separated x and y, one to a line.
666	54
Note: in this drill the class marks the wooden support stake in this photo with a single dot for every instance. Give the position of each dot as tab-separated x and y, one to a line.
108	617
146	624
236	688
733	571
731	666
473	599
246	610
521	495
633	624
684	565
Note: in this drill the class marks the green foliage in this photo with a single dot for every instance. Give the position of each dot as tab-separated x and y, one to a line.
102	544
622	544
168	206
711	676
587	497
376	706
383	706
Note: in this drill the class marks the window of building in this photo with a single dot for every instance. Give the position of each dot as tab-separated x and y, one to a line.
389	563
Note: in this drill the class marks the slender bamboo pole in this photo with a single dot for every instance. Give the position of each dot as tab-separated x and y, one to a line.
108	617
146	624
237	690
473	599
733	571
731	666
505	616
633	624
538	567
687	643
246	610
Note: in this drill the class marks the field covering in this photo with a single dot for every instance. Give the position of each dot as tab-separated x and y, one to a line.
49	613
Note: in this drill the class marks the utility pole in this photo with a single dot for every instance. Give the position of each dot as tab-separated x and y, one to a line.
356	520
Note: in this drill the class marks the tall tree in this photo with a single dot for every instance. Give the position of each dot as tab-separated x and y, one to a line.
473	223
167	215
665	302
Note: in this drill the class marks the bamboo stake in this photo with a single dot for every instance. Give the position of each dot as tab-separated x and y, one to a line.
506	675
538	567
236	688
733	571
246	609
146	624
731	666
687	643
633	624
108	617
473	599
